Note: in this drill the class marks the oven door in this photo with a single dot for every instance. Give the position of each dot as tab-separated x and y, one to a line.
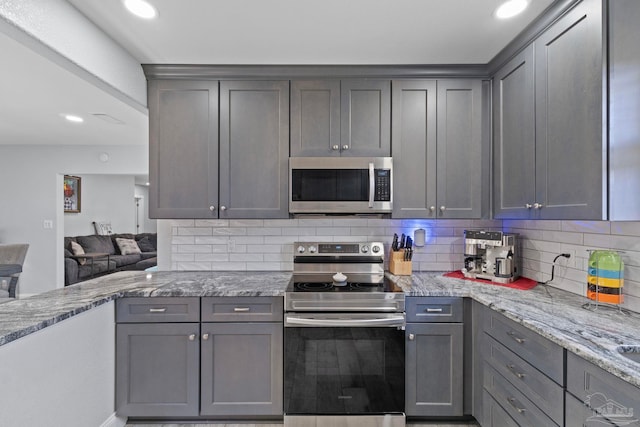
344	363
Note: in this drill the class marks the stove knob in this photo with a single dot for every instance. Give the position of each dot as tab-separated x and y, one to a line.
365	249
301	249
313	249
375	249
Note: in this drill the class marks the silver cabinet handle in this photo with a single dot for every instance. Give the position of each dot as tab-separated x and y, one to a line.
157	310
241	309
372	183
537	206
192	337
528	205
335	147
345	147
434	310
442	208
212	208
515	337
223	208
432	208
512	368
512	401
412	337
205	337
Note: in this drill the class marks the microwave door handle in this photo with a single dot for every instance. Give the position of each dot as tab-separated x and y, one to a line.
372	183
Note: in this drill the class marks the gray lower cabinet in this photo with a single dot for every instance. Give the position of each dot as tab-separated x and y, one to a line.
172	361
183	148
624	109
609	399
578	414
434	357
495	416
437	148
254	149
520	371
341	118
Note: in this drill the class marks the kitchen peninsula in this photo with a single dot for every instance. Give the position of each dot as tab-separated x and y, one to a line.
78	323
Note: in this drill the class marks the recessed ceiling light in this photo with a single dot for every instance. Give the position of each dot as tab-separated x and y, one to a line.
73	118
511	8
141	8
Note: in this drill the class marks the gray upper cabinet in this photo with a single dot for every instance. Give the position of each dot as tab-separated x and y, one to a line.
183	148
254	149
514	137
315	118
624	109
414	148
365	118
340	118
570	164
437	148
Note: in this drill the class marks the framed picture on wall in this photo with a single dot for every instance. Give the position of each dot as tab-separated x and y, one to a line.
72	192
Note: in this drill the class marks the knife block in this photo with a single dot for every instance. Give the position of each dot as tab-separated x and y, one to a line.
397	264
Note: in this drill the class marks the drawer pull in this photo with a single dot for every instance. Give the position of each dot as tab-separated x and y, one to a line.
205	337
157	310
512	401
241	309
434	310
192	337
512	368
515	337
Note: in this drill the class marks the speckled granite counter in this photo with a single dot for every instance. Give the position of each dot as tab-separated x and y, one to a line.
554	314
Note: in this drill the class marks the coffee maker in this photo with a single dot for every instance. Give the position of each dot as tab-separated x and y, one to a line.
491	255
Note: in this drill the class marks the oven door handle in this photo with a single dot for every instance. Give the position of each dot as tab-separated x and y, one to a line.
395	321
372	183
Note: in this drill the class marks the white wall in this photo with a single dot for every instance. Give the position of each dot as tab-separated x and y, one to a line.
62	375
31	192
107	198
146	225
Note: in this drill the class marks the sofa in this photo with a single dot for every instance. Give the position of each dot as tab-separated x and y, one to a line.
123	255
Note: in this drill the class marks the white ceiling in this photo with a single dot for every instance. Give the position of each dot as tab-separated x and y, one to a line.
35	90
312	31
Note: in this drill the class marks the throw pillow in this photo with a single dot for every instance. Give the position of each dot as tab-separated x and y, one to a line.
127	246
77	250
145	245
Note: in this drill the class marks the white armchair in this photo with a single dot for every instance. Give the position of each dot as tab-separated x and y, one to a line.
11	260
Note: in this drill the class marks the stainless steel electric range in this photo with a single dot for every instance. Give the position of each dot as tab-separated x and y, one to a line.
344	338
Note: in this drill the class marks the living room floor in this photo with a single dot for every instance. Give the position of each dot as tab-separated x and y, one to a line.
422	424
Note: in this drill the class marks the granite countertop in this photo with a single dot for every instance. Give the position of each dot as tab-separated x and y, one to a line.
554	314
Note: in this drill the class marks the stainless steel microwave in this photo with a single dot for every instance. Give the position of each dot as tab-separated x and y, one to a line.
349	185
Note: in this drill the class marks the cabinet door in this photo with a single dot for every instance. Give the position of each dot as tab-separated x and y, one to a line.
578	414
315	118
254	149
242	371
514	138
183	149
459	185
569	135
434	365
365	118
624	109
414	148
157	367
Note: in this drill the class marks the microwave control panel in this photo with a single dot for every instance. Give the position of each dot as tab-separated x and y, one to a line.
383	185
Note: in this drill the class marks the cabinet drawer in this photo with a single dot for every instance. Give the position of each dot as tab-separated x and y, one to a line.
494	414
535	349
516	404
539	388
434	309
161	309
242	309
597	388
580	415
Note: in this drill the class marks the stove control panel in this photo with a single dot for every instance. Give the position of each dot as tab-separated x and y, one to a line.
339	249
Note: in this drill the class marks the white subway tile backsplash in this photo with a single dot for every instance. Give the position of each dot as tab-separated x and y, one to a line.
268	244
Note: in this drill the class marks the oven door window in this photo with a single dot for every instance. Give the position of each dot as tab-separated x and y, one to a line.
344	370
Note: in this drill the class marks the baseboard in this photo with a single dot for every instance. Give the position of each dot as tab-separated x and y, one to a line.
114	421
